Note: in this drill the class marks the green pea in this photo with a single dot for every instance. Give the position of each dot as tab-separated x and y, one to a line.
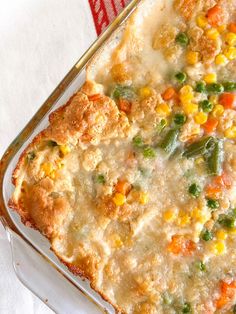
206	105
201	266
149	152
123	92
213	204
186	308
137	141
215	88
182	39
179	119
181	77
207	235
200	87
101	179
194	190
229	86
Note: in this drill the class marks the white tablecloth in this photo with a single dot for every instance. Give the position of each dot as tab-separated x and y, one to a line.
40	40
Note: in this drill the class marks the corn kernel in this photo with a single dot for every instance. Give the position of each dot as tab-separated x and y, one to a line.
200	118
201	21
184	220
221	234
117	242
186	89
47	168
230	53
190	108
169	215
213	99
199	161
65	149
119	199
217	111
210	78
221	28
192	57
220	59
230	132
145	92
52	175
143	198
219	247
230	38
212	33
232	231
163	109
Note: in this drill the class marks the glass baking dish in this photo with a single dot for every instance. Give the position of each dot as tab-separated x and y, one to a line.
35	264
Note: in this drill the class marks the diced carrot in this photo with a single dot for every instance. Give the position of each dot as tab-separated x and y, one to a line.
227	100
123	187
180	245
215	16
169	93
232	27
227	291
213	191
125	105
210	125
224	180
94	97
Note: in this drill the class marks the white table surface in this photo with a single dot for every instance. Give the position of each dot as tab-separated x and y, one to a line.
40	40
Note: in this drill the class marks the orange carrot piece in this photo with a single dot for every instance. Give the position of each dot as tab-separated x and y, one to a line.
227	100
232	27
180	245
215	15
125	105
210	125
123	187
227	291
224	180
94	97
213	191
169	93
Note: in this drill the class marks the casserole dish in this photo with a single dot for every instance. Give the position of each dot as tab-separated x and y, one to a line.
43	274
134	179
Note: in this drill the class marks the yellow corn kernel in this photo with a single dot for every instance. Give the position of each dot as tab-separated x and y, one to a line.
163	109
199	161
201	21
200	118
230	38
145	92
59	164
210	78
47	168
169	215
119	199
221	28
65	149
52	174
192	57
190	108
232	231
221	234
219	247
117	242
213	99
183	219
230	132
217	111
212	33
230	53
143	198
186	89
220	59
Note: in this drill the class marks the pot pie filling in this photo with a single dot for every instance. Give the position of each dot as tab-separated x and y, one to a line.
133	181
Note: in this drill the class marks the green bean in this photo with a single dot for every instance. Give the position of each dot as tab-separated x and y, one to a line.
169	142
215	159
198	148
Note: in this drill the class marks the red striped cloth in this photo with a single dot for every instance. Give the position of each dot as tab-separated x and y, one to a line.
104	11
